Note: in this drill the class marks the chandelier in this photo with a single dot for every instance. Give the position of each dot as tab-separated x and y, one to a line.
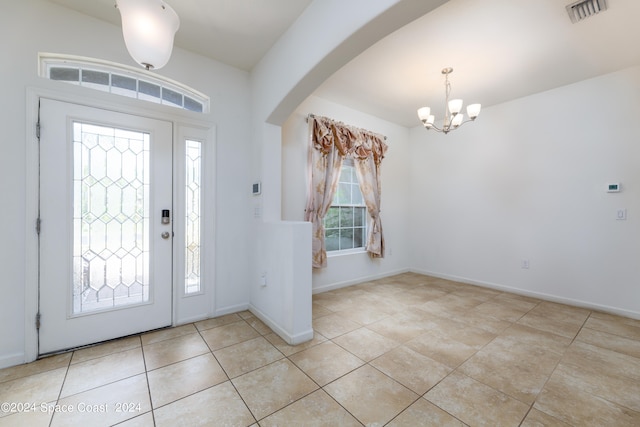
453	118
148	27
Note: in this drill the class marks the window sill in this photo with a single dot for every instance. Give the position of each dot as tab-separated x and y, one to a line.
332	254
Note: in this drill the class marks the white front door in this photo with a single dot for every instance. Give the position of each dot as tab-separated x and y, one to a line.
105	250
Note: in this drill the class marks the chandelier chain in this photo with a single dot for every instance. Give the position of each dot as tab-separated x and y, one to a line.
447	111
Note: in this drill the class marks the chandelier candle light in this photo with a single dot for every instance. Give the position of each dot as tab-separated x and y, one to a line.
453	118
148	27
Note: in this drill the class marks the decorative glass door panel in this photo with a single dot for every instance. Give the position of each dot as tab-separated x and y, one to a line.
105	251
111	217
193	183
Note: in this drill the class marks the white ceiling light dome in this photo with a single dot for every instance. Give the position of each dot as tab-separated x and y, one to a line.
148	27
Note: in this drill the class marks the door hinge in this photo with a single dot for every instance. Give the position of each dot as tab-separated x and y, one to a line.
38	321
38	225
38	123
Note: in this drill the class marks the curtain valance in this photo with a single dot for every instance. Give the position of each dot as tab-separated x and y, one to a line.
348	140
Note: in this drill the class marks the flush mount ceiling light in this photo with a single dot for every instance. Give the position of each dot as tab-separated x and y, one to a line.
453	118
148	27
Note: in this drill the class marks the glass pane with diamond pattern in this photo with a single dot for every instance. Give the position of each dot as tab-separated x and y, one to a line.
111	217
192	220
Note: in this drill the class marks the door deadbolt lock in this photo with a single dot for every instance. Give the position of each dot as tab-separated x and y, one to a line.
166	216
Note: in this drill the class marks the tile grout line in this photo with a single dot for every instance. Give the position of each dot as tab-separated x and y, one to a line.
255	419
61	388
368	363
146	375
456	369
229	380
551	374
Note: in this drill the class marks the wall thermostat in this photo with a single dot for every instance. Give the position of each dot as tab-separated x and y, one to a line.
613	187
256	188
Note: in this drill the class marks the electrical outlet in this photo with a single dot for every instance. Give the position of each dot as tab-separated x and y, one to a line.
621	214
263	280
524	264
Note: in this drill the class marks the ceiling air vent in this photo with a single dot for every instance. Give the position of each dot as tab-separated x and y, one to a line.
583	9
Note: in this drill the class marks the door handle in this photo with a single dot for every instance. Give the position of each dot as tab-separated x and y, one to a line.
165	235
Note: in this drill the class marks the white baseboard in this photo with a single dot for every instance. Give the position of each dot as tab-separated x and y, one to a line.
191	319
338	285
14	359
286	336
533	294
230	309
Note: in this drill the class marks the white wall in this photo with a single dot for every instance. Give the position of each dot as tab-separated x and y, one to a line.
528	181
285	267
297	64
30	26
347	269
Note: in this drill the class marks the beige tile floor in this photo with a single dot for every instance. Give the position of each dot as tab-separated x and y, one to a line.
408	350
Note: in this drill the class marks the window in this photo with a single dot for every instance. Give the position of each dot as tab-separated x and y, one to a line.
193	215
346	222
121	80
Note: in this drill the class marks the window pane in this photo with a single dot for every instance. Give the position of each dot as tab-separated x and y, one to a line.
336	196
346	217
64	74
331	219
359	217
345	174
346	238
331	240
99	77
193	215
192	105
149	91
357	195
172	97
123	82
111	220
95	80
344	195
359	238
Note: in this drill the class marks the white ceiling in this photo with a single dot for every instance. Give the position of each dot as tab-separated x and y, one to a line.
500	49
236	32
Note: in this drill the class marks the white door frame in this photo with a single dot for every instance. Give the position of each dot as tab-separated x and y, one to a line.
186	124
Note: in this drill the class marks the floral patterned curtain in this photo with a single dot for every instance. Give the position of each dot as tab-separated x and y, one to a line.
368	155
325	162
330	142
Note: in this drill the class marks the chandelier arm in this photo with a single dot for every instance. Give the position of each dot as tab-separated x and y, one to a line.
466	121
460	125
434	127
